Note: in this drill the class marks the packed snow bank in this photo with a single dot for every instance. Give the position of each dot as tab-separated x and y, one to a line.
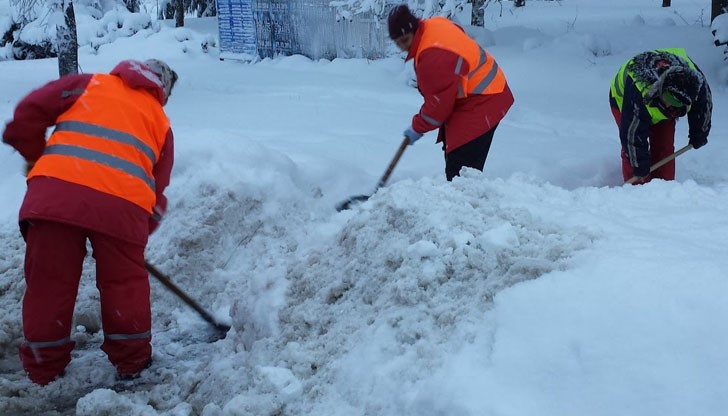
409	298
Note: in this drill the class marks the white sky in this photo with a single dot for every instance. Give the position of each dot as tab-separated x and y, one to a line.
540	287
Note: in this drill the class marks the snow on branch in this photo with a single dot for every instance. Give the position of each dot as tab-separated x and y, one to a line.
345	9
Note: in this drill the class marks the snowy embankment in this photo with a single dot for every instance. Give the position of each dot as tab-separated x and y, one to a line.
402	310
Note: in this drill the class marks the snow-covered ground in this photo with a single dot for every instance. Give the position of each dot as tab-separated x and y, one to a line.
539	287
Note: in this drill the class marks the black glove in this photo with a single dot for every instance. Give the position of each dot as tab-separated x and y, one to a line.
28	166
155	218
641	172
698	141
153	224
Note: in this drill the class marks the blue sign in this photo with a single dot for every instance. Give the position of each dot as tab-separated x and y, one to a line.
237	27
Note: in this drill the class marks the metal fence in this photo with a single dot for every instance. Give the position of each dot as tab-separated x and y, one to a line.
269	28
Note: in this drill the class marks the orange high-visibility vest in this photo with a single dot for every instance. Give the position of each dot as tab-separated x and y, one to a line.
485	76
108	140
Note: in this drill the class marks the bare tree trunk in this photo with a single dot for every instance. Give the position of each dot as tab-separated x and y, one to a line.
666	3
179	13
168	11
477	17
719	7
132	5
67	41
519	3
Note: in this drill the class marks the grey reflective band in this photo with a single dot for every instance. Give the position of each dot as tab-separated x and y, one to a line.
68	93
483	60
102	158
631	133
109	134
120	337
459	65
48	344
487	80
431	120
708	113
482	85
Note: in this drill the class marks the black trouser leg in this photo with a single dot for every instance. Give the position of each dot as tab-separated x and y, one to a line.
471	154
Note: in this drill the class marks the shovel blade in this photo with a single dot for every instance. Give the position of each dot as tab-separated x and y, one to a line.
351	202
218	332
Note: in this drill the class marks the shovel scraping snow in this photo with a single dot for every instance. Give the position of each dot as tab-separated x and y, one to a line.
166	281
382	181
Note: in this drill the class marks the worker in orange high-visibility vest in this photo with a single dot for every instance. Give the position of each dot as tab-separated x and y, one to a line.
100	177
465	91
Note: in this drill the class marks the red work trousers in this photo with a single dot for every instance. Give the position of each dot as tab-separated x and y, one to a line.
53	265
662	145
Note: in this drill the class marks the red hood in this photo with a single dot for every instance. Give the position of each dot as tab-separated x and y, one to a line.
137	75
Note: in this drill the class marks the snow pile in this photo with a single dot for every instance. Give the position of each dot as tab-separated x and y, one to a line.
12	286
415	276
412	275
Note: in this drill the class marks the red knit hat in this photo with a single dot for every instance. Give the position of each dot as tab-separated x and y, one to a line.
401	21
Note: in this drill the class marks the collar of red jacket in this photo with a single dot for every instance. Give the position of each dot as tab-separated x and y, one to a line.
415	41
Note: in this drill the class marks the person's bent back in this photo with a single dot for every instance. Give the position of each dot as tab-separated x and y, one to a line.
100	176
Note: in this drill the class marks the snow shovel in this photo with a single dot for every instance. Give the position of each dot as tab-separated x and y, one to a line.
382	181
662	162
166	281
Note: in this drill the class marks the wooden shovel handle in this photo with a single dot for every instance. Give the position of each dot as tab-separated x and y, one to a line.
662	162
383	180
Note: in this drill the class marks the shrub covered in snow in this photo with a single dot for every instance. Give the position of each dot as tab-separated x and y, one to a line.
347	8
720	29
30	32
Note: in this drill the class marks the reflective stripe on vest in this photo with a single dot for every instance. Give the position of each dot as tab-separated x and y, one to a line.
109	140
100	157
105	133
48	344
485	76
122	337
617	87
